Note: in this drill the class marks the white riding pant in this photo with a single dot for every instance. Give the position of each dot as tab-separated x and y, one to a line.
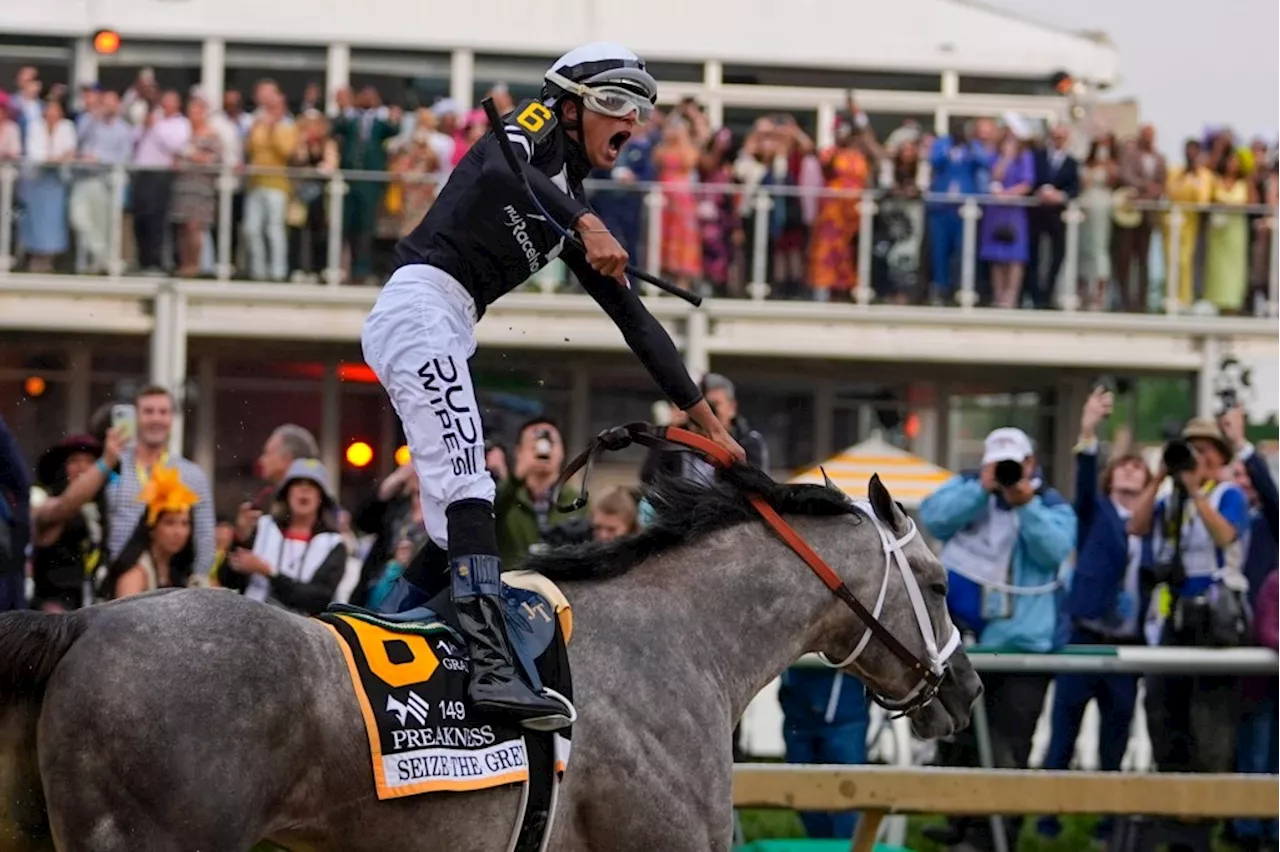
417	340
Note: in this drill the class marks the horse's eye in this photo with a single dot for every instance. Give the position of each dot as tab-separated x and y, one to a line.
939	589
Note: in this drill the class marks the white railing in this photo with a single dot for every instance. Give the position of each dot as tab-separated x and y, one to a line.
753	210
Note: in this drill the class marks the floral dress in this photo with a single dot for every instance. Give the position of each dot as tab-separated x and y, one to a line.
681	240
831	253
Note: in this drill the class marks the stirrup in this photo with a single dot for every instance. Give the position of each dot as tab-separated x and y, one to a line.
555	721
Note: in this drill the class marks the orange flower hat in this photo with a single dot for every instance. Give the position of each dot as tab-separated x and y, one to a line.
164	492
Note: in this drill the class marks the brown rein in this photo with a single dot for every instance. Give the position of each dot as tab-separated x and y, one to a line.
648	435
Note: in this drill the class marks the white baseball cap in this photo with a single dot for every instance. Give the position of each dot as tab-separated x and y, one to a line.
1006	444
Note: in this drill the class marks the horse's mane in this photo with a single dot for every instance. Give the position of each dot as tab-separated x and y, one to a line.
685	510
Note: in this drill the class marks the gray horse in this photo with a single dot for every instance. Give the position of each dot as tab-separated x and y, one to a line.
199	720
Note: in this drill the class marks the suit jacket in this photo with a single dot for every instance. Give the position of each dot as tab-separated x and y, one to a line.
1132	174
1065	178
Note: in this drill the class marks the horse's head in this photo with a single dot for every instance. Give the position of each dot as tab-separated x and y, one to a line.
927	676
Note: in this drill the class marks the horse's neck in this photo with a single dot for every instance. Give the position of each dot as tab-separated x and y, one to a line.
740	600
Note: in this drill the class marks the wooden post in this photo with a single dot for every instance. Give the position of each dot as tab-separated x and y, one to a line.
864	839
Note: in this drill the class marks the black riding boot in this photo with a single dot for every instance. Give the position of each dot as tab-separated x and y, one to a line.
496	685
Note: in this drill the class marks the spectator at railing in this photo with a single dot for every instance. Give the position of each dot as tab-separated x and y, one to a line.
1226	278
622	209
417	164
308	217
164	134
1104	605
10	131
106	140
717	217
27	104
1253	476
297	558
1189	184
1197	531
362	146
899	221
1004	230
50	145
1057	182
141	98
1005	535
958	166
1098	178
269	144
788	229
1266	183
835	229
1142	170
675	158
195	193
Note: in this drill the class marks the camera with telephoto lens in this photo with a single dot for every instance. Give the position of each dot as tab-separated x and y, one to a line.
1179	457
542	444
1008	473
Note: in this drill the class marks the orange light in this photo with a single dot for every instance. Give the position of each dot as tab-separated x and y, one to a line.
402	455
106	42
359	454
912	427
34	386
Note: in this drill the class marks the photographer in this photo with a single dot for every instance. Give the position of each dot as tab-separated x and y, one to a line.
1197	530
1254	478
1103	605
524	508
1005	535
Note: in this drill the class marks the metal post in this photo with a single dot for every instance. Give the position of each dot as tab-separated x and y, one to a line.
982	733
1068	289
161	330
8	179
115	225
654	200
1210	364
1173	263
207	416
79	365
331	423
866	233
337	189
970	213
226	198
696	356
177	368
1273	277
759	286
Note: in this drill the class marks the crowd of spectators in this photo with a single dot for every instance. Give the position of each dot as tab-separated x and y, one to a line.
1184	555
708	177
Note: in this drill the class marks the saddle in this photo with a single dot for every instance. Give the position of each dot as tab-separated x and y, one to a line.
533	607
409	672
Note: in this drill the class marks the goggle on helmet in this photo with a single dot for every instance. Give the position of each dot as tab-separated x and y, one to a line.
608	78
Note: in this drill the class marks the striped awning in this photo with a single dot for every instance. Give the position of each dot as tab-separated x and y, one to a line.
909	479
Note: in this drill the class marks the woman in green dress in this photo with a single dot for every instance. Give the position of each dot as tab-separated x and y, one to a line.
1227	257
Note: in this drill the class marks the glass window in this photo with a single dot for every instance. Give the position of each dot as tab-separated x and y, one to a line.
976	85
36	421
51	58
292	67
830	78
403	78
176	65
885	123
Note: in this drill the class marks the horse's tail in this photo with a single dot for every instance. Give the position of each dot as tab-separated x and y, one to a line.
31	646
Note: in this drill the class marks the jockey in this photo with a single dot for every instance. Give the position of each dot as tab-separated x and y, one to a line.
481	239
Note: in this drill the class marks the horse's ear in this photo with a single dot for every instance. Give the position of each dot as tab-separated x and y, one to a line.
883	505
826	480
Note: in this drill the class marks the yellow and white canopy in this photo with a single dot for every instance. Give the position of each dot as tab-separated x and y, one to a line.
909	479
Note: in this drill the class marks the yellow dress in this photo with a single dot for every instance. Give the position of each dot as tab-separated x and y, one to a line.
1186	186
1226	273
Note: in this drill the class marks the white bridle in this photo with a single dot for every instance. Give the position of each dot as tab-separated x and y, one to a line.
936	657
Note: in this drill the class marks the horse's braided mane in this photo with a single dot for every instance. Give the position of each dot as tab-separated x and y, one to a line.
685	510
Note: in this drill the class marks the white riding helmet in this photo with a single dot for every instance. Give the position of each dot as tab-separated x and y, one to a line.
609	79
